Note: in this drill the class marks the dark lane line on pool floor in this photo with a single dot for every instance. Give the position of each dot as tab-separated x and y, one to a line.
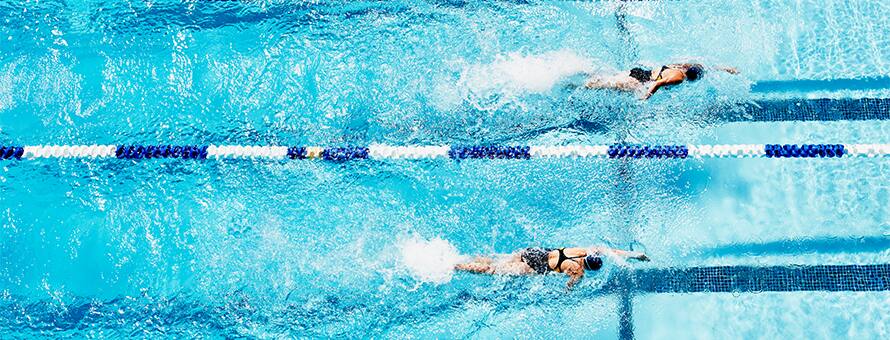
748	279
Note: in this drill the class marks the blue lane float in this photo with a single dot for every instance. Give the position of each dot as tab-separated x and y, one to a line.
647	151
344	154
296	152
804	150
11	152
160	151
490	152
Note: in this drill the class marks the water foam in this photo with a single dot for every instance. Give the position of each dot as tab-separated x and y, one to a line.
429	260
515	74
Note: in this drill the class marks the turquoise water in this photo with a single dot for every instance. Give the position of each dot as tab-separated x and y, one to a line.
111	248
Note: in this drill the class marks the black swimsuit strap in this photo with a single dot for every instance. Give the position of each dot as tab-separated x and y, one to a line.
563	257
663	67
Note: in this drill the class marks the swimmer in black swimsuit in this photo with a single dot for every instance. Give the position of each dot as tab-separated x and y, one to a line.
529	261
639	79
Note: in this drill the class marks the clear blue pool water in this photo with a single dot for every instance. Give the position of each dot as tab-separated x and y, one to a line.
108	248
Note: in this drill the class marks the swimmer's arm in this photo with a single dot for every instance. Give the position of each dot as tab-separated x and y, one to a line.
576	273
683	65
727	69
651	91
622	253
663	82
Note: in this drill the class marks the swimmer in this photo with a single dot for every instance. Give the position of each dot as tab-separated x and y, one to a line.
639	79
531	261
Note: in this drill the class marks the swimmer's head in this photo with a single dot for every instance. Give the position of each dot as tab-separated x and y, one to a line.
641	74
694	73
592	262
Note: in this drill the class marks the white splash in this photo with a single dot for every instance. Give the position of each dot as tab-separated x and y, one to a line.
515	73
429	260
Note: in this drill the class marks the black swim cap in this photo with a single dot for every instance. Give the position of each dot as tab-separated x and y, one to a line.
593	262
694	73
641	74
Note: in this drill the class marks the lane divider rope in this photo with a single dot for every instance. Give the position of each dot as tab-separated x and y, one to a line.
378	151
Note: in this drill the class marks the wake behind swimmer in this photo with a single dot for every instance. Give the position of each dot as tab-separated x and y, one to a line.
430	260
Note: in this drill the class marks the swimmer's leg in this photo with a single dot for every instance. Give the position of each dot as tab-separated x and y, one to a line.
480	265
597	83
512	265
513	268
508	265
482	259
474	267
615	83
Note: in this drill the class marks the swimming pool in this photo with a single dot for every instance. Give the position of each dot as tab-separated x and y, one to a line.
259	248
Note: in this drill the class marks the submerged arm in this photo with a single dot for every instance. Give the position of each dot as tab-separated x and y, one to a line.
727	69
622	253
575	272
653	88
673	79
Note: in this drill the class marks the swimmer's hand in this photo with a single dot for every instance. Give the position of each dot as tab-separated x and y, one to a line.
652	88
730	70
636	255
